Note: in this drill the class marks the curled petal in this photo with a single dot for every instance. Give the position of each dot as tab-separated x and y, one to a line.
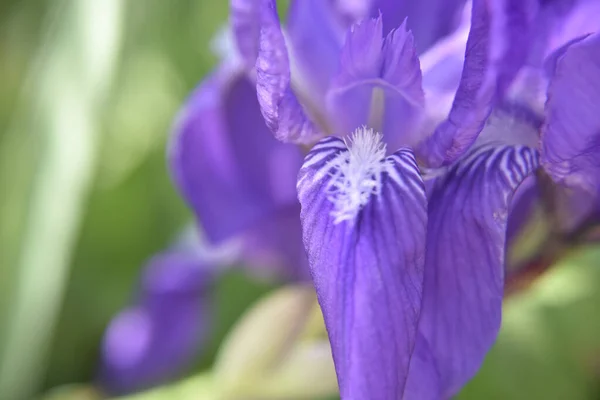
464	264
367	269
279	105
571	134
379	83
496	49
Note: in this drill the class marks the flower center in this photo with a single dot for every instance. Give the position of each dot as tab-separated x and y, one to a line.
356	173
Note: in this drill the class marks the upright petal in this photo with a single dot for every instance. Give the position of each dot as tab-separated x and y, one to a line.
244	17
464	264
571	134
279	105
429	20
366	251
379	83
496	49
157	337
225	161
315	30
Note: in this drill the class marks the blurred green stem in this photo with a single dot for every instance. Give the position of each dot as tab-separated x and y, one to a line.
63	99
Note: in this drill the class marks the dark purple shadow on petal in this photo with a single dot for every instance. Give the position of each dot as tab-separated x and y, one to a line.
280	108
369	62
496	49
226	163
158	337
571	135
464	265
367	272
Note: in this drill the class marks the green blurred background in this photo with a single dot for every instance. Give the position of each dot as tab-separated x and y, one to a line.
89	89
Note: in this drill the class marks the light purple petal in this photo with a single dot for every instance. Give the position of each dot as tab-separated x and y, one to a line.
573	18
367	270
371	66
315	30
282	112
464	264
429	20
226	163
274	245
571	134
155	339
496	49
244	17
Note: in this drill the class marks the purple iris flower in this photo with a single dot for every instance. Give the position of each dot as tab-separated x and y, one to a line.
157	337
408	262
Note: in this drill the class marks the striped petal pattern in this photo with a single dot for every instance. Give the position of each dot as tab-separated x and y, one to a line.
497	47
464	265
368	270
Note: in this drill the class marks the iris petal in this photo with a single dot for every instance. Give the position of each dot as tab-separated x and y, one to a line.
315	31
367	270
371	64
157	338
279	105
236	177
244	17
496	49
571	134
464	264
429	20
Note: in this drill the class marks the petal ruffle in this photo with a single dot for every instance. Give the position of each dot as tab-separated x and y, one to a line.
367	270
372	67
279	105
155	339
496	49
571	134
464	264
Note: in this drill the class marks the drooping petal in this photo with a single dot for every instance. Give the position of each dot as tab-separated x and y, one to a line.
155	339
279	105
275	245
464	264
379	83
496	49
571	134
367	268
238	179
226	163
